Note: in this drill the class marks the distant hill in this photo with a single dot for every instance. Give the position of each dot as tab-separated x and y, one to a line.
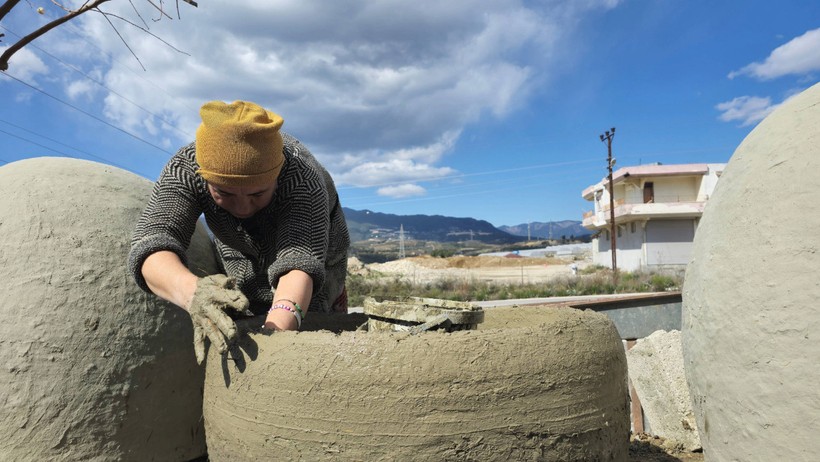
549	230
365	224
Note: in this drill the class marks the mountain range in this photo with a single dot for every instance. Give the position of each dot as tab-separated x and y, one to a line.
566	229
366	224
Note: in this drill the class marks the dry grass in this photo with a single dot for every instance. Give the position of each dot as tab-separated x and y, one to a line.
596	282
461	261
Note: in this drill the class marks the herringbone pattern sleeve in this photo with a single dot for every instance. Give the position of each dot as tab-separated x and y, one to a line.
169	219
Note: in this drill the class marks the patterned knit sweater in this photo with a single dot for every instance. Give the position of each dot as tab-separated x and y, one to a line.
302	228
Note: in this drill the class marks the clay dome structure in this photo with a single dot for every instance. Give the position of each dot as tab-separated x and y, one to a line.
93	368
530	383
750	309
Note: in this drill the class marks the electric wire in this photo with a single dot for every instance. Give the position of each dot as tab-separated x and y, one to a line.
466	175
121	130
351	202
518	180
100	84
58	142
140	75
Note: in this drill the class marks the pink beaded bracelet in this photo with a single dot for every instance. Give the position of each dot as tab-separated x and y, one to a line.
282	306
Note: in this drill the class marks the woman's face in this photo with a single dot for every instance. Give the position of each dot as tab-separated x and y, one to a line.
242	202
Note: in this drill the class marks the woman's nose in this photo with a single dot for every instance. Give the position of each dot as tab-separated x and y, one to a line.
244	207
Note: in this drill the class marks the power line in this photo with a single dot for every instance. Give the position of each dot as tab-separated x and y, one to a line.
517	187
97	82
65	154
466	175
78	32
518	180
86	113
55	141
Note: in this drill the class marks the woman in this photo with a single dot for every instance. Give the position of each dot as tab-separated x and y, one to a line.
277	224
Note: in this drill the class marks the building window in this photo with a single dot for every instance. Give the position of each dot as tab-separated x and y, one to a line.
634	228
619	231
606	233
648	192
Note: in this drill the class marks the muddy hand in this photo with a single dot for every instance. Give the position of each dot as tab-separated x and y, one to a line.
213	295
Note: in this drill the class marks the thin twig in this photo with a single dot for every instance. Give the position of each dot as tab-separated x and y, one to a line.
64	8
147	32
161	12
105	15
138	13
4	58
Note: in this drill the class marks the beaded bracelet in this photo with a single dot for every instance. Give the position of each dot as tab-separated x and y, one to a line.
295	305
282	306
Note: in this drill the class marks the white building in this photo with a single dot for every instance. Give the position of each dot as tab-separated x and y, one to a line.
657	209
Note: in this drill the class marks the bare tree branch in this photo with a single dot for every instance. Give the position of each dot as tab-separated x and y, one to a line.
4	58
7	6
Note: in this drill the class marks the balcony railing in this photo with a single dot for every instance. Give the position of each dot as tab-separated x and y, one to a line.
643	211
618	202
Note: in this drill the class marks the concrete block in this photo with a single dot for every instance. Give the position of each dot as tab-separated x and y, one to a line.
656	370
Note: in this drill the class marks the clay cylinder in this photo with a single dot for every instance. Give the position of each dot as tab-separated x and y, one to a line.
550	388
750	310
92	367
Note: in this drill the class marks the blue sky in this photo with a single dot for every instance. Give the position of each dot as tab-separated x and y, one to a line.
464	108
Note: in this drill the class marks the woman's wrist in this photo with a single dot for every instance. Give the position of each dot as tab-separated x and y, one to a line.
281	319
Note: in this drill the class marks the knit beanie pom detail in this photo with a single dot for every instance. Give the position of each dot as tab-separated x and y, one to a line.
239	144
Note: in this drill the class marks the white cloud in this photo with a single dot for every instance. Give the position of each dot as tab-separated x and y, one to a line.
379	91
799	56
79	88
391	171
401	191
747	110
25	65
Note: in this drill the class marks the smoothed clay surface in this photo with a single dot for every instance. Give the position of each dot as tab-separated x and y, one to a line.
531	383
751	315
92	367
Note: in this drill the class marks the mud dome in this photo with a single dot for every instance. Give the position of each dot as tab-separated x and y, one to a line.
543	384
750	302
92	368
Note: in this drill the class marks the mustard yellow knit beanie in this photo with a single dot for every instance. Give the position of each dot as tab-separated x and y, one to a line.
239	144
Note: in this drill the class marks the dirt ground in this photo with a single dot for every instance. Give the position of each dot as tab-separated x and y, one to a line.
650	448
487	269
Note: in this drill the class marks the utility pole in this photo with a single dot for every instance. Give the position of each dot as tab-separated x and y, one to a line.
401	242
610	162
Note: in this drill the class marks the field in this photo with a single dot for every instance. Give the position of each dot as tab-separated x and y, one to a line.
425	269
481	278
